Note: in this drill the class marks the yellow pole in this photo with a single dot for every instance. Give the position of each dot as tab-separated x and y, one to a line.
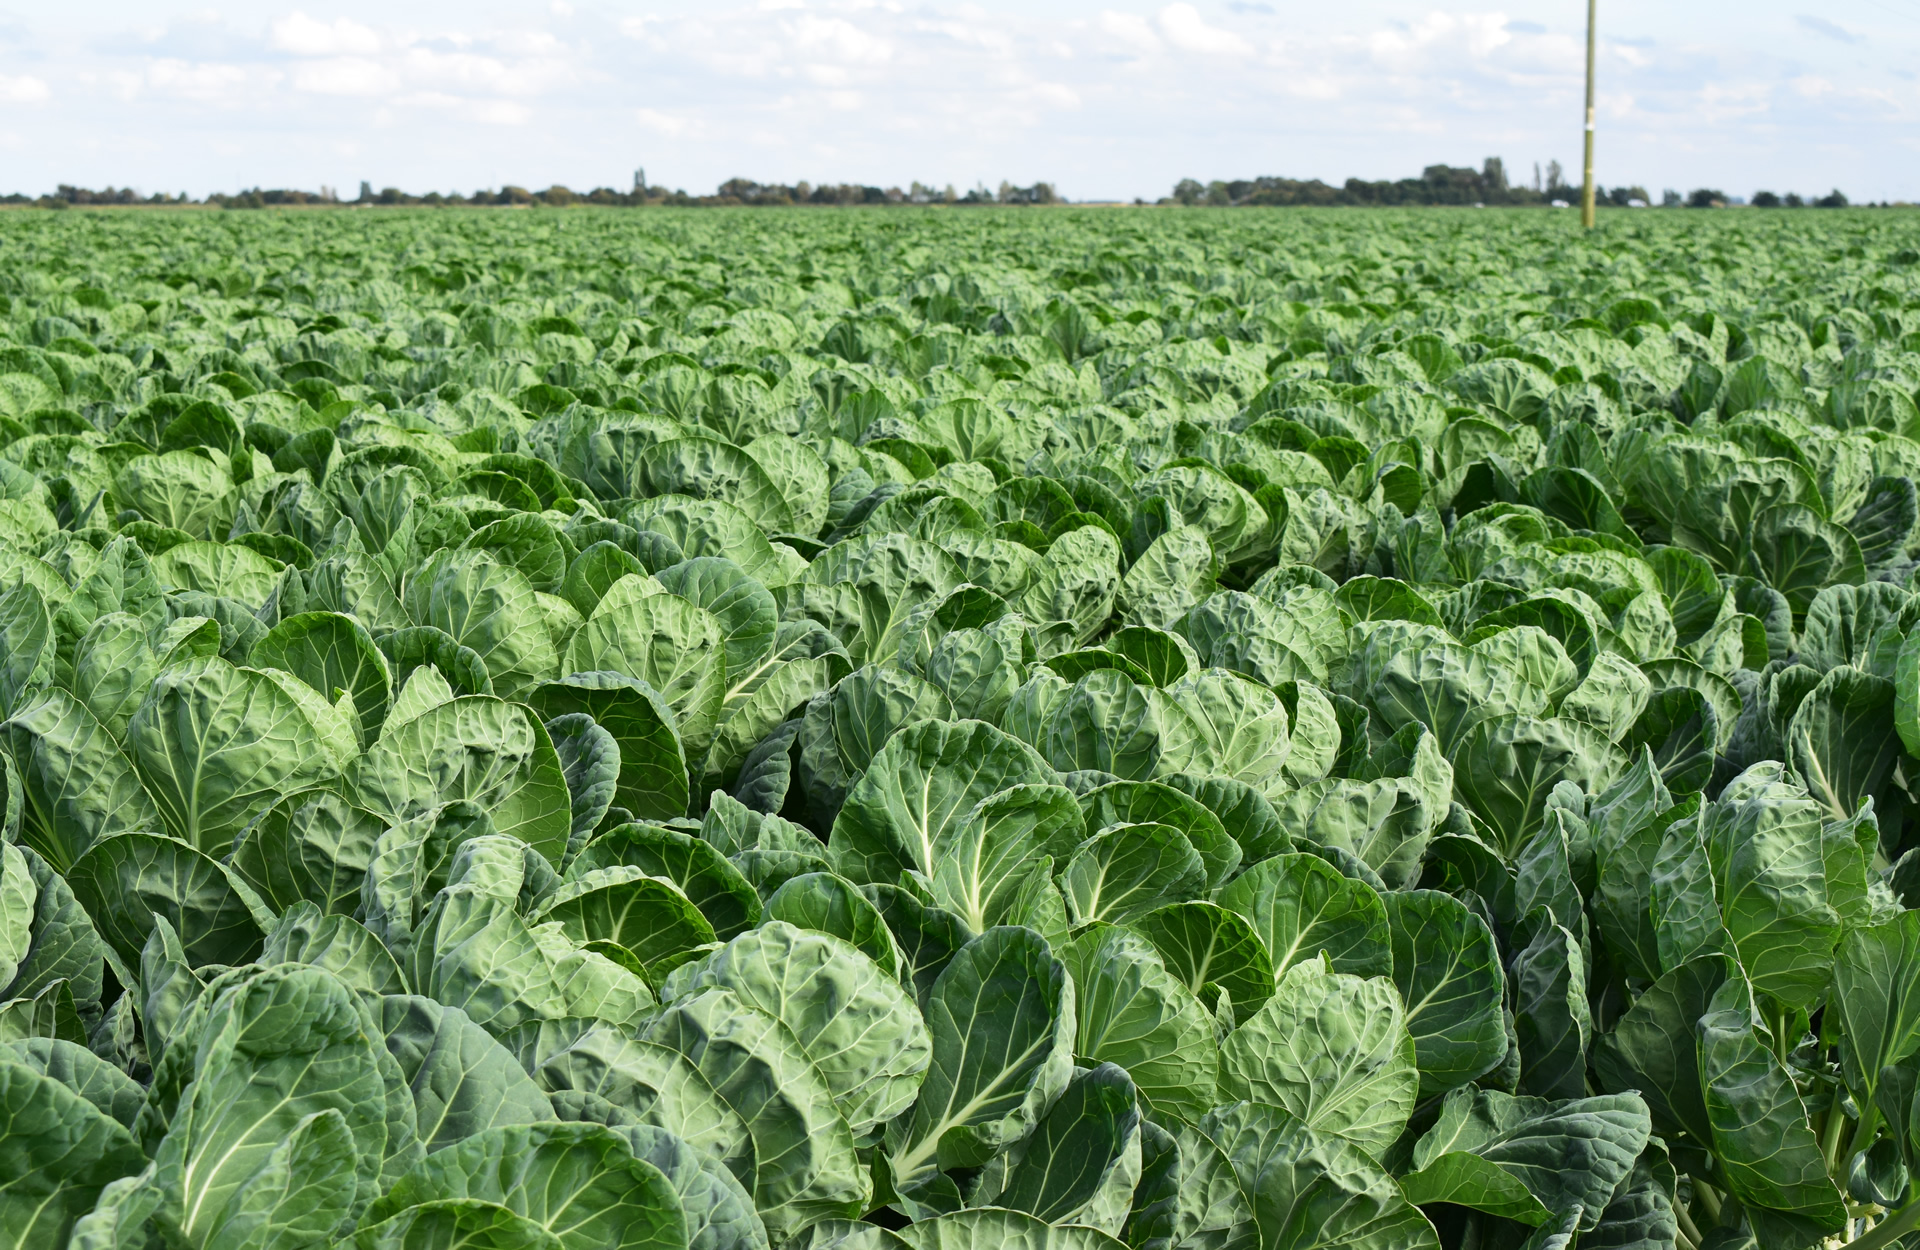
1586	193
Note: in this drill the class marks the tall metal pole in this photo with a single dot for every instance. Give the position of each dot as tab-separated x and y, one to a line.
1586	193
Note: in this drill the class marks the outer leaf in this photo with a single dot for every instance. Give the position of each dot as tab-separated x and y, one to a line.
860	1030
805	1166
1332	1049
579	1182
1301	906
926	778
57	1154
1760	1129
992	1228
475	748
216	745
1447	968
1133	1014
1312	1191
983	1095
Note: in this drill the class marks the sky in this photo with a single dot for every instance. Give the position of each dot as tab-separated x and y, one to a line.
1106	99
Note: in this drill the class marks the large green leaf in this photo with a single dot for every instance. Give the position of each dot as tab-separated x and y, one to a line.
1132	1013
719	1210
1301	906
1332	1049
579	1182
1082	1163
473	949
701	871
313	845
331	652
831	904
1571	1156
991	1228
1001	1017
76	785
475	748
1308	1190
982	865
805	1167
216	745
463	1082
590	1066
1505	767
287	1045
648	916
57	1154
1875	980
487	606
1760	1131
861	1032
1204	944
1129	870
925	780
652	783
1447	967
126	880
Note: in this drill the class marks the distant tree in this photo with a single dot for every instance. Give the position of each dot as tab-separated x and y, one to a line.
1670	198
1493	178
557	196
1793	200
366	192
1831	200
1765	199
1706	197
1188	192
1553	174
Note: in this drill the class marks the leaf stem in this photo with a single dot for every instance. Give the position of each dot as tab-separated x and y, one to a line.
1863	1132
1833	1130
1889	1230
1707	1197
1688	1228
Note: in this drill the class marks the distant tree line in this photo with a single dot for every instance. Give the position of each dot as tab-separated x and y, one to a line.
734	191
1447	184
1437	184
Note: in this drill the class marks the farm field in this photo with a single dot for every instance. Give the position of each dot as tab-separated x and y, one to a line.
732	730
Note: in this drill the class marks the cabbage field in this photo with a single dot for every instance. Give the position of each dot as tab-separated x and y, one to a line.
1055	730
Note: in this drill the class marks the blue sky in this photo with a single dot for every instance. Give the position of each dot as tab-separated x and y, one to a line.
1106	98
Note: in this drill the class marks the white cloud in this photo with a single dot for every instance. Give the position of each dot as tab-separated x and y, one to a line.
22	90
1440	34
840	40
304	36
662	123
1057	95
1130	28
202	82
345	75
1186	29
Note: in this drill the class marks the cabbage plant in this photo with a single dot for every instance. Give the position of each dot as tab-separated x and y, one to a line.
724	732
